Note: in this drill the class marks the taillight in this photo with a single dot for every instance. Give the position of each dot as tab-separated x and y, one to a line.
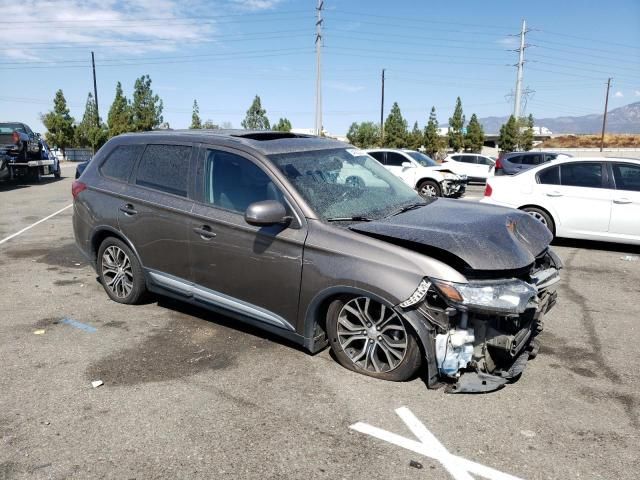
15	137
76	187
488	190
498	164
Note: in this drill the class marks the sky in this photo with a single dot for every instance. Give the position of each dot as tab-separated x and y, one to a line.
224	52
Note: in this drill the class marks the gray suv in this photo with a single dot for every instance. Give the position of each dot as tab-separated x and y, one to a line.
265	227
515	162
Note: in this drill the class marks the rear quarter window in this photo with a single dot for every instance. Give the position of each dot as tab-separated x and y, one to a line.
165	168
119	163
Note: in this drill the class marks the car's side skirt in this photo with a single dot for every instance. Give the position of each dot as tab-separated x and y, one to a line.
165	284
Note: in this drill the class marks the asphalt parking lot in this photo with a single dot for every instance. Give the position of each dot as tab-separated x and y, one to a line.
189	394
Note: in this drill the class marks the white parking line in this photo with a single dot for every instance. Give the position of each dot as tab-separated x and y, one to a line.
6	239
429	446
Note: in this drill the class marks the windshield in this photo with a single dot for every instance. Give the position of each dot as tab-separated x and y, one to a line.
10	127
422	159
345	183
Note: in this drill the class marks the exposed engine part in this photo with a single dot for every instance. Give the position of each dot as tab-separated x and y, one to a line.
454	351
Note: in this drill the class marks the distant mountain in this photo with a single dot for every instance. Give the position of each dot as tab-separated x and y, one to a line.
624	119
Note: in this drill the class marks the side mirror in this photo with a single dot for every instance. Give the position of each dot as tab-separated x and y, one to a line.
407	165
266	212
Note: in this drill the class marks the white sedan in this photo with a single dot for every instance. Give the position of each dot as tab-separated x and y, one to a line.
585	198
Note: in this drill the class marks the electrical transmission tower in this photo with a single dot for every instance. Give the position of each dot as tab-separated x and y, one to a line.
318	68
526	95
518	93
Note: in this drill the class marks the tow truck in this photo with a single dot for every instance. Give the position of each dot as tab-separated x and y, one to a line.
24	153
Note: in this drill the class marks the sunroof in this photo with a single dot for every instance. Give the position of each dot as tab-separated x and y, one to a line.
265	136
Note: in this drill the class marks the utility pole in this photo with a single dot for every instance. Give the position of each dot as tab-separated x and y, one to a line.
516	103
95	90
318	68
604	118
382	110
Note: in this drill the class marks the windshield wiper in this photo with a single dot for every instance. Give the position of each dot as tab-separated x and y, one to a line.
355	218
411	206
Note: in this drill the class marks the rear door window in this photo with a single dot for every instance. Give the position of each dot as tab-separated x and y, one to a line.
165	168
549	176
119	163
394	159
627	176
582	174
516	159
468	158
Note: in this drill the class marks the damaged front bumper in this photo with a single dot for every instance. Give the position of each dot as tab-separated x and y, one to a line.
479	350
454	187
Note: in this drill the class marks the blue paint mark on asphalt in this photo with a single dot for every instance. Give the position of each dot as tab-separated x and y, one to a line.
80	325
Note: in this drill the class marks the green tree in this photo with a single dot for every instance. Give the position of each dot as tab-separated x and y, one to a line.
416	138
395	129
364	135
474	138
508	139
120	119
432	140
456	126
146	107
59	123
283	125
196	123
209	125
525	141
91	132
256	118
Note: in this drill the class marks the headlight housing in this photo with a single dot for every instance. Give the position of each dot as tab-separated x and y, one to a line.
493	296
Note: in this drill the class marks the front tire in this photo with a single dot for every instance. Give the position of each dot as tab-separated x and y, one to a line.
429	189
120	272
370	338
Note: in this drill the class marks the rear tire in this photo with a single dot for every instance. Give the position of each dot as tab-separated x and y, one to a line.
58	173
388	348
120	272
429	189
543	217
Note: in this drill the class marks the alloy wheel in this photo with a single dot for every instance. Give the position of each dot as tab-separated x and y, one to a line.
428	190
117	272
538	216
372	335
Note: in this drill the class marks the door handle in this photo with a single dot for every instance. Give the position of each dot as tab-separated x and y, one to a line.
554	194
622	201
128	209
205	232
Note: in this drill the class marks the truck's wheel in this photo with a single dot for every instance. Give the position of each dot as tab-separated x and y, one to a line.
35	174
58	173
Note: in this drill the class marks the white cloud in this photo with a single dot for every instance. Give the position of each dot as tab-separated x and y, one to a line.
345	87
255	5
120	26
618	94
509	42
637	93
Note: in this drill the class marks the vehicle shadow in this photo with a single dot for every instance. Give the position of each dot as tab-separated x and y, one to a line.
9	185
223	321
596	245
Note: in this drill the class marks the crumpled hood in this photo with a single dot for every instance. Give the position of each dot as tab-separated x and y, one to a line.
484	237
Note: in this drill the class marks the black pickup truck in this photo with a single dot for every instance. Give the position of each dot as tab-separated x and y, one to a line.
24	154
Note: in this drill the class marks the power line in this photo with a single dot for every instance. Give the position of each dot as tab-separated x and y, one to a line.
318	68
